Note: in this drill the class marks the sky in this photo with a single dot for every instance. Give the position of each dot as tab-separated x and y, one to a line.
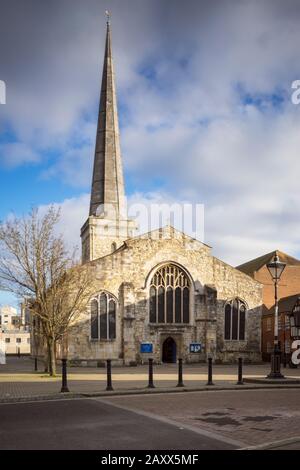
204	96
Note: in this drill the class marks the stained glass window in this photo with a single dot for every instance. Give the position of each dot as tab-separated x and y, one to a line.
169	296
235	320
103	317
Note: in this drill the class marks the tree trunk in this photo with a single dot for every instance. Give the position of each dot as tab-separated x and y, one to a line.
46	359
51	356
46	363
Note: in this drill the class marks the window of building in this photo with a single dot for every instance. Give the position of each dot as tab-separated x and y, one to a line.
279	323
287	346
18	340
269	324
287	322
235	320
169	296
103	317
7	340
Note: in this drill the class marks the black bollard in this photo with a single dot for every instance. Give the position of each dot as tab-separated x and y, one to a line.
64	383
180	380
240	372
150	382
209	381
109	386
35	364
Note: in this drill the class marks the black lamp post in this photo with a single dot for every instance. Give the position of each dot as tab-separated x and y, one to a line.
276	268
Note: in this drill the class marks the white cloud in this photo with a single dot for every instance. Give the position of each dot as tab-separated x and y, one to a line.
236	234
17	153
74	212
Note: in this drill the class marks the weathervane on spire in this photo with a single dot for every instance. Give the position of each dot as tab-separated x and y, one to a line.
108	16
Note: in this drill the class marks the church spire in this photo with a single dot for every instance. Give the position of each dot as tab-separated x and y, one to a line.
107	225
108	182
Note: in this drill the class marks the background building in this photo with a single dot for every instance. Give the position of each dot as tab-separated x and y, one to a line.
9	318
288	293
285	308
14	334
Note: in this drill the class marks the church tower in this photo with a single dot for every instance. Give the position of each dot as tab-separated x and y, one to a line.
107	225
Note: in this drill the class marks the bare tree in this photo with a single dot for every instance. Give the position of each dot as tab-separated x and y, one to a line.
34	264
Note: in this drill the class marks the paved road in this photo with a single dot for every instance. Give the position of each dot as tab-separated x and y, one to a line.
89	424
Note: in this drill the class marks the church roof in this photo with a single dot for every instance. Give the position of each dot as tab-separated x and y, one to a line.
108	181
255	264
169	232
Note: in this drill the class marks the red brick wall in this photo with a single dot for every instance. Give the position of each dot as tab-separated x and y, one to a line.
289	283
268	334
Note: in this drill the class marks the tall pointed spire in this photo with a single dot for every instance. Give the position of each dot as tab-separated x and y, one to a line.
107	225
108	181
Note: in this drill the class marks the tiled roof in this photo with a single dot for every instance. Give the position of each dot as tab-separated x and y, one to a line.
255	264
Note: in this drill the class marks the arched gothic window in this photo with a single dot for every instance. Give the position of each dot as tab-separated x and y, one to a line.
235	320
103	317
169	296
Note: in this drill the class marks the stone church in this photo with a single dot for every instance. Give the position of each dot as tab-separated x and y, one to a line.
161	294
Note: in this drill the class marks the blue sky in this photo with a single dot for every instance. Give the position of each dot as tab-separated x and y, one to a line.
204	106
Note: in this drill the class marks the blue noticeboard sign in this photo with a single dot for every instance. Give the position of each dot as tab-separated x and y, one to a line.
146	348
195	347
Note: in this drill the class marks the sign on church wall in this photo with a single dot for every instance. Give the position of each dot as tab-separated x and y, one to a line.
146	348
195	347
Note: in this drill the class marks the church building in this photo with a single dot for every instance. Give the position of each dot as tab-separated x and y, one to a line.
162	294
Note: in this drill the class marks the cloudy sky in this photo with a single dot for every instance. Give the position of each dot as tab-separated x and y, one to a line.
204	92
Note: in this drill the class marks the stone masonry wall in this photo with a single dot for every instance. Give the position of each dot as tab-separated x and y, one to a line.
126	273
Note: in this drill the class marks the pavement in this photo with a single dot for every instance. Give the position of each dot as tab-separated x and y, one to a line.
19	382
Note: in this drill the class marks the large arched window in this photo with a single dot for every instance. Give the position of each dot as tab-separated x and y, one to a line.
169	296
103	317
235	320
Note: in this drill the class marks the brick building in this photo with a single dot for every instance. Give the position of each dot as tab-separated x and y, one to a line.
288	293
285	307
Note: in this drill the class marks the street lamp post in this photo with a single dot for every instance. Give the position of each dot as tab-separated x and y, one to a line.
276	268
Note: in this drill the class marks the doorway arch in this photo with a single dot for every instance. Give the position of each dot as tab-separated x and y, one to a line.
169	350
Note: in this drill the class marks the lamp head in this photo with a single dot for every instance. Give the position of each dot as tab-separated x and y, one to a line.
276	268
